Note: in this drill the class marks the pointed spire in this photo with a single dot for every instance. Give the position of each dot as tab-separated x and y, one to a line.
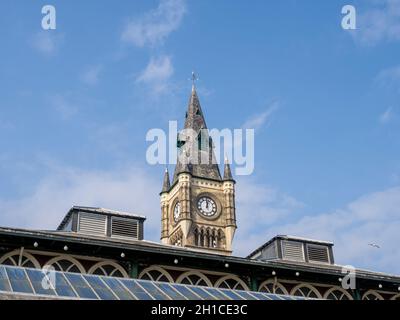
194	115
227	171
194	78
166	183
196	122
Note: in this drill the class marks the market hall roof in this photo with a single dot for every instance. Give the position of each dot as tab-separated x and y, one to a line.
26	283
55	241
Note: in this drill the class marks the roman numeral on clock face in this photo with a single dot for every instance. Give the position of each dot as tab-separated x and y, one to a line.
207	206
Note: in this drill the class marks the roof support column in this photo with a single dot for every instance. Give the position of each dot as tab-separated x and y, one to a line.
134	270
356	294
253	283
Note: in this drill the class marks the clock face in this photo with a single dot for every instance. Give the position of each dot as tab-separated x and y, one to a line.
207	206
177	211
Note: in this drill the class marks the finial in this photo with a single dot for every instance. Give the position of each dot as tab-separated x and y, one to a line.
226	159
194	78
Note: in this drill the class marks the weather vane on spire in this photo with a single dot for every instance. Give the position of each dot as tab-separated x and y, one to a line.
194	78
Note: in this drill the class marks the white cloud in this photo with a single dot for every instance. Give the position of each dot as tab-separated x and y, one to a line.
130	189
373	218
381	22
257	121
155	26
259	206
91	75
262	212
386	116
46	42
156	74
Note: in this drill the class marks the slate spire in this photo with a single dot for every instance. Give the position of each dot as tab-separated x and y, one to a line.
166	182
202	144
227	171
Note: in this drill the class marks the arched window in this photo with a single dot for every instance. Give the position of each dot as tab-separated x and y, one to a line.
337	293
306	291
108	268
372	295
14	258
231	282
220	239
270	286
194	278
202	236
66	264
196	234
207	236
215	240
212	243
155	274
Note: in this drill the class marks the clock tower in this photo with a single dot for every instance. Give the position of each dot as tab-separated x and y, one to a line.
198	207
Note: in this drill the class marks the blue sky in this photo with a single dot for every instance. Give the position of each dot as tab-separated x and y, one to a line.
76	104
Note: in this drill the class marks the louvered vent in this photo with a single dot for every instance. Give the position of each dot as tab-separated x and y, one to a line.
292	250
124	228
318	254
91	223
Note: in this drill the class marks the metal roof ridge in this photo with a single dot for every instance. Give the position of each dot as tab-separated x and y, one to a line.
110	211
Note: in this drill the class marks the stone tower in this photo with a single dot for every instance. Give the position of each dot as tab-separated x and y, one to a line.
198	207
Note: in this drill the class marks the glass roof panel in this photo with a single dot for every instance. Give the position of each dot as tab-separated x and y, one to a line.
81	287
231	294
246	295
121	292
170	291
72	285
260	296
274	296
99	286
216	293
202	293
41	282
153	290
186	291
19	280
62	287
4	284
135	289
